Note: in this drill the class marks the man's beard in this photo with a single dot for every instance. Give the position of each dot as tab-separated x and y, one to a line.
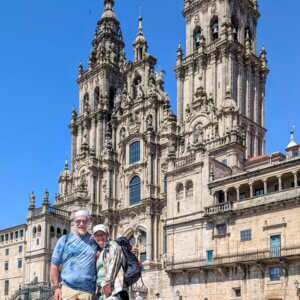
81	231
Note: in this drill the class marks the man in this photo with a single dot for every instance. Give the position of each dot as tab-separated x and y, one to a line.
138	297
110	275
76	253
158	296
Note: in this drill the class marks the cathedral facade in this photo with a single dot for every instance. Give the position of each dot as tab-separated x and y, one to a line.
213	216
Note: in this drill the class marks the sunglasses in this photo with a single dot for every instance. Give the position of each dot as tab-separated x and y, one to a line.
81	221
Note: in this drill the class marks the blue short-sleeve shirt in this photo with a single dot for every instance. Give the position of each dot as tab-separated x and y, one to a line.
77	255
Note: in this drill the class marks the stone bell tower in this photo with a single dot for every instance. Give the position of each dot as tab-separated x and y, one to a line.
221	70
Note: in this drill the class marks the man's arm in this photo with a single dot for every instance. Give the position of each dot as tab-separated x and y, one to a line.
54	274
55	279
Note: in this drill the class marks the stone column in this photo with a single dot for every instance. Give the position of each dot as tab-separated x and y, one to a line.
279	184
295	180
238	193
180	104
265	187
226	195
251	190
149	235
92	133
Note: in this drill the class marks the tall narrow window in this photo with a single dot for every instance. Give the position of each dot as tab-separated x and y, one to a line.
6	287
275	246
134	152
197	36
135	190
52	232
210	257
96	96
20	263
214	28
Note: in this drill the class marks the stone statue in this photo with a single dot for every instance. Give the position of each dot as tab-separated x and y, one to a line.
197	133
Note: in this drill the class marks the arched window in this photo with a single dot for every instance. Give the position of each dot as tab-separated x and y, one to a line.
189	187
58	232
142	236
52	232
96	96
39	230
135	190
235	27
214	28
112	94
134	152
197	36
65	232
34	232
132	240
179	191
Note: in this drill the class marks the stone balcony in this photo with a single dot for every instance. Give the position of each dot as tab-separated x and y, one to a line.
261	256
268	199
50	210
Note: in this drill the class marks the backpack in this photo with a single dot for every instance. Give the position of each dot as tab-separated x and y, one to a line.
132	269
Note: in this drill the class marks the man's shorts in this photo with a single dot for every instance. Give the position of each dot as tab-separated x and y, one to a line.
70	294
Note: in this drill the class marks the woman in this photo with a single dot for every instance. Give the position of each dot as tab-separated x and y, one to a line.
110	275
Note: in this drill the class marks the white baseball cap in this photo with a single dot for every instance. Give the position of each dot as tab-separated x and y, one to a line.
82	213
101	227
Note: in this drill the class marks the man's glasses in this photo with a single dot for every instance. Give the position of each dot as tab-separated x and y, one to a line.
84	222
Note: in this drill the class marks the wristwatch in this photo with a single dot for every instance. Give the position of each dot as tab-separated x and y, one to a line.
57	286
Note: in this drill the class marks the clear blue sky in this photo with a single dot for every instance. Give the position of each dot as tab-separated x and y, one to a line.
42	43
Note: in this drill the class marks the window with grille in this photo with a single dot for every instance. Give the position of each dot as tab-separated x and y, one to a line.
134	152
246	235
135	190
274	273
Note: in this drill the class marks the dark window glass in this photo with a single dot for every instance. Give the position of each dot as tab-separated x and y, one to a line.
246	235
134	153
20	263
274	273
21	233
6	266
242	196
7	251
6	287
20	248
210	256
221	228
135	190
259	192
295	152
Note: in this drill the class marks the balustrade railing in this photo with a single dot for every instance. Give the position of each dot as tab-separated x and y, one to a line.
238	257
185	161
219	208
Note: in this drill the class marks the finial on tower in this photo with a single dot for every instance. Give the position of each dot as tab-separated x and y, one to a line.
292	142
31	201
66	163
109	5
46	198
